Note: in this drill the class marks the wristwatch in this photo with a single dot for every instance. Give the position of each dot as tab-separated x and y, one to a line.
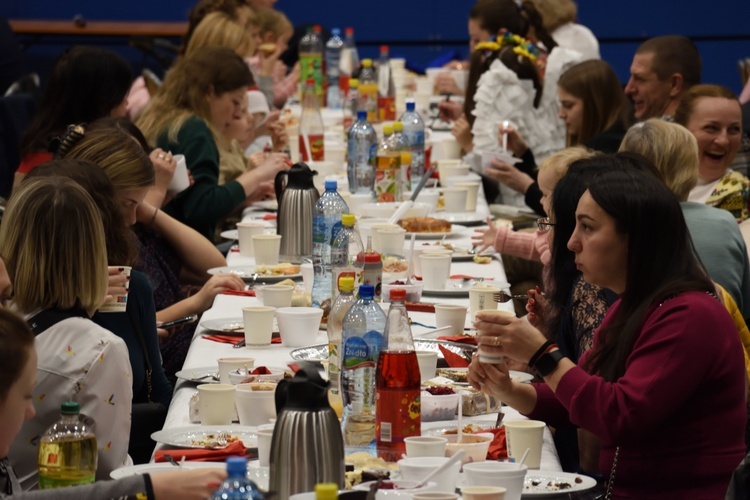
547	362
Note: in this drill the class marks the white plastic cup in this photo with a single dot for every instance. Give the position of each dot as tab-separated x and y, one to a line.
298	326
472	194
245	232
425	446
180	179
390	240
455	199
417	468
481	299
258	322
427	364
119	303
523	434
483	493
492	357
308	275
228	364
436	269
255	407
264	446
266	248
278	296
451	315
216	403
492	473
421	249
375	233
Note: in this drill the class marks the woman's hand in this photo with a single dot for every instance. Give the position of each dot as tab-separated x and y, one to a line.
217	284
164	167
462	132
491	379
484	238
510	176
273	164
279	135
196	484
446	84
507	336
536	306
118	283
264	191
516	144
450	110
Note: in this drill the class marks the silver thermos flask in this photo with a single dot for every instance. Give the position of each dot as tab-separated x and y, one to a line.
296	199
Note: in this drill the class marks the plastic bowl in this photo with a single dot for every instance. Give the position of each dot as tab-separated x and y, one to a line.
475	446
413	291
239	375
441	407
387	209
403	489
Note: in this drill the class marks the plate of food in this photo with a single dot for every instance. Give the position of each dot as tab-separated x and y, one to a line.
228	326
446	428
540	483
460	253
267	274
205	375
206	436
430	228
464	218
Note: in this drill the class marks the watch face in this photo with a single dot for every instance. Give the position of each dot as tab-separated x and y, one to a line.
547	362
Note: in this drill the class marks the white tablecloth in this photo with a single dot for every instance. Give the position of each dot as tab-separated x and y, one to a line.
204	353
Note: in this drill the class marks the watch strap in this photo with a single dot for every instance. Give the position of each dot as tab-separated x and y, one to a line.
547	362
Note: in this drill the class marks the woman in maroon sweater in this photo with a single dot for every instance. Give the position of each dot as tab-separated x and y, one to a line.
664	386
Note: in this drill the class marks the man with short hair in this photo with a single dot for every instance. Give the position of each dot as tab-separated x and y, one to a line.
663	69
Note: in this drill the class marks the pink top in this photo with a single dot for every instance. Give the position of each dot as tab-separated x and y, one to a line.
530	246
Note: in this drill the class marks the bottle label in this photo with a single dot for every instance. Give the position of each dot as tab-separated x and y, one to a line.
311	66
316	145
356	354
387	180
387	108
397	414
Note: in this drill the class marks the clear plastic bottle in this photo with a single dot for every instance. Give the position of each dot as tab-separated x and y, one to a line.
388	173
341	306
397	386
311	128
386	89
327	214
373	268
347	245
414	134
351	106
349	64
311	60
361	155
363	330
402	146
333	59
67	451
368	90
237	486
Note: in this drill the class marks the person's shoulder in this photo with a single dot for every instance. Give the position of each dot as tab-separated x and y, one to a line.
194	124
733	177
697	305
707	212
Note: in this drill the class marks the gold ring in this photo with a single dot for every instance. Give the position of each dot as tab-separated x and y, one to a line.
161	156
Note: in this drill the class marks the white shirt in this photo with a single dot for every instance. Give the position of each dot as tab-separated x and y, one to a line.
579	38
702	190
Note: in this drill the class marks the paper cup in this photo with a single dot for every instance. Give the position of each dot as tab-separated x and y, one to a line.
480	298
278	295
455	199
427	364
119	303
436	269
264	446
390	241
180	179
503	474
421	249
258	325
308	275
472	193
491	357
256	403
298	326
227	365
451	315
483	493
246	231
523	434
375	233
216	403
425	446
417	468
435	495
266	248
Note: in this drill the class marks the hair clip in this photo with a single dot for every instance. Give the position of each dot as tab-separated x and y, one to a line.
69	139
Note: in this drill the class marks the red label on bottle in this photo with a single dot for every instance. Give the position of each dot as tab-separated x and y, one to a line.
316	145
397	416
387	108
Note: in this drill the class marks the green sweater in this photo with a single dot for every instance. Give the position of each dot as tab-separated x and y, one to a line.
204	203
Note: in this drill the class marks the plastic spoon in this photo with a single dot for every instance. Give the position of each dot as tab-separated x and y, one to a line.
505	136
459	434
448	463
523	458
411	256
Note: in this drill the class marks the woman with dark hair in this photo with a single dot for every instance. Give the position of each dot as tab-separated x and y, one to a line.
86	83
661	399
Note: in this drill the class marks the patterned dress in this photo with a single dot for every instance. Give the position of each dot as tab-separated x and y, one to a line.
732	193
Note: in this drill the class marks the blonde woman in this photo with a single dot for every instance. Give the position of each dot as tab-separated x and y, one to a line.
52	241
559	19
200	96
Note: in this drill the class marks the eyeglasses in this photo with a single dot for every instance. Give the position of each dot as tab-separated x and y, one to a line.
543	224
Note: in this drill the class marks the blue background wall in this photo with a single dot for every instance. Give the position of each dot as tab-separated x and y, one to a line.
422	29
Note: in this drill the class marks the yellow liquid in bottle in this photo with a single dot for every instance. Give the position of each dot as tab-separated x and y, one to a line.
67	462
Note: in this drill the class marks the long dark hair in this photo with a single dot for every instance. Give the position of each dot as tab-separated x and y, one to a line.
86	83
660	261
16	343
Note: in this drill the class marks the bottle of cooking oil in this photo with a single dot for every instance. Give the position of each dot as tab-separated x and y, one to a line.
67	451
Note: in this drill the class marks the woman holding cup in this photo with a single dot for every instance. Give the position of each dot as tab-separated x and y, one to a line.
651	366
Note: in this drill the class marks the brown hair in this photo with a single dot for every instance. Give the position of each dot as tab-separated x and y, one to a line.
604	102
556	12
686	106
221	30
204	7
16	343
673	54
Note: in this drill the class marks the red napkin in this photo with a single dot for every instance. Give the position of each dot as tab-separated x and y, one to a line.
463	339
236	449
498	447
261	370
244	293
454	360
467	277
233	339
269	217
420	307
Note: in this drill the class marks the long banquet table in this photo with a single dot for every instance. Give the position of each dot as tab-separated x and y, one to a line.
203	352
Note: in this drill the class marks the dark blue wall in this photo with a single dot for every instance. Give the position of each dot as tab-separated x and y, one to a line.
422	29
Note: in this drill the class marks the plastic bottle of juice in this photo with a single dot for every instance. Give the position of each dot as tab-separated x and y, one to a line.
368	90
341	306
402	146
346	246
67	451
311	60
386	89
311	129
388	173
351	106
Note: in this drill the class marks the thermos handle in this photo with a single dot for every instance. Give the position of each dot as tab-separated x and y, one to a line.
280	396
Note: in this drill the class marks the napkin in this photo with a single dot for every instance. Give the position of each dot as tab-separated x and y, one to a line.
463	339
236	449
454	360
498	448
233	339
467	277
244	293
269	217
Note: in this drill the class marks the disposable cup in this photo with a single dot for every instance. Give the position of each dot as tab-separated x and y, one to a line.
491	473
266	248
483	493
278	295
427	364
258	322
472	193
264	446
425	446
375	233
298	326
480	298
216	403
390	241
228	364
484	355
119	303
419	250
308	275
523	434
256	403
455	199
417	468
180	179
246	231
451	315
436	269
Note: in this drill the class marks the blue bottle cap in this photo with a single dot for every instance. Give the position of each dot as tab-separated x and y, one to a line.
410	106
331	185
236	466
366	291
335	32
361	115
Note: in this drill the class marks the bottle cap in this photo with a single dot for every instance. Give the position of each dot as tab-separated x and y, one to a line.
349	31
346	283
405	157
348	219
369	257
353	83
366	291
383	48
361	114
410	106
366	63
335	32
70	408
317	28
331	185
398	295
398	126
387	129
311	81
326	491
236	466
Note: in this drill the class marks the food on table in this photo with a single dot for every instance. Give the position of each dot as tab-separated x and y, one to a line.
539	484
475	402
425	225
394	265
366	468
413	294
455	375
212	440
482	259
440	390
359	476
435	404
466	429
283	269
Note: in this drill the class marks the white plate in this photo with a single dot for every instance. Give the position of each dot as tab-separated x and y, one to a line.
460	288
246	273
205	375
266	205
259	475
468	218
227	326
439	428
186	437
544	489
456	230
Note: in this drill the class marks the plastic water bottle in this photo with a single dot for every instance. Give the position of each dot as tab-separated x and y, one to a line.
386	89
237	486
311	60
368	90
333	58
402	146
67	451
327	214
341	306
311	128
363	330
349	64
361	155
346	247
351	104
414	134
397	384
388	173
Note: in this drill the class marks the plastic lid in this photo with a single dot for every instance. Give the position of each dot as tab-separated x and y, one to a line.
349	30
361	114
236	466
405	157
335	32
369	257
366	291
387	129
326	491
348	219
353	83
383	48
311	81
398	295
346	283
366	63
331	185
70	408
398	126
410	106
317	28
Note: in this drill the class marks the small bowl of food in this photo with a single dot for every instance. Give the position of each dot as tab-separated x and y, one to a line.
257	374
413	291
439	403
475	446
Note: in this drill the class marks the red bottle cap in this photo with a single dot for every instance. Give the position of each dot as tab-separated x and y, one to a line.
317	28
369	258
348	31
383	48
310	81
398	294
